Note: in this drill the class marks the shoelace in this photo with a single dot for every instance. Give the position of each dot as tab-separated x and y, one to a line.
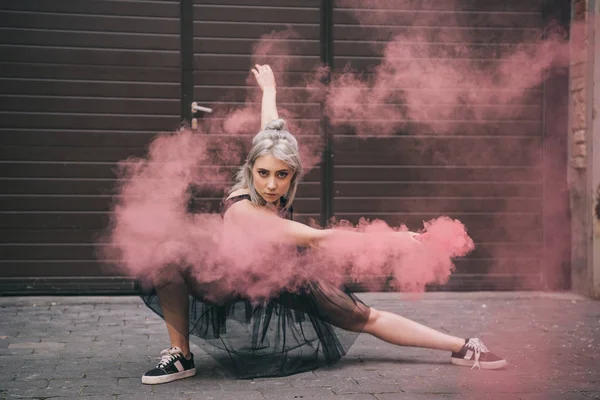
478	347
167	355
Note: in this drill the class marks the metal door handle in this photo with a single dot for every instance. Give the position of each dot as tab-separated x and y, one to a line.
195	109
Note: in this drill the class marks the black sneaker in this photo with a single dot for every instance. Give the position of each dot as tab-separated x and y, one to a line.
172	366
475	354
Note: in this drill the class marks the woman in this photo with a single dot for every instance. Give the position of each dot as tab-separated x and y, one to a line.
292	331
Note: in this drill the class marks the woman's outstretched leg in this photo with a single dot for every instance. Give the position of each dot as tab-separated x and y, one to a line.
401	331
177	362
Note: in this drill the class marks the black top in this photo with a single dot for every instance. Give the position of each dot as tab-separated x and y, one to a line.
288	214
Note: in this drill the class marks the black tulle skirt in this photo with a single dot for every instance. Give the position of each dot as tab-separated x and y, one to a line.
290	333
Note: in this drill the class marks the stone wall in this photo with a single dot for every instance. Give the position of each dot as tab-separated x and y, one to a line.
578	125
579	91
584	149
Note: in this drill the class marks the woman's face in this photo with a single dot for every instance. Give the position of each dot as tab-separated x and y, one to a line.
272	178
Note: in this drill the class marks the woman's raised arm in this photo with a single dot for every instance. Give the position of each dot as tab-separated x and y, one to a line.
266	80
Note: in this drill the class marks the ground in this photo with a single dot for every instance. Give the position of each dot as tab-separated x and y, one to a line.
98	348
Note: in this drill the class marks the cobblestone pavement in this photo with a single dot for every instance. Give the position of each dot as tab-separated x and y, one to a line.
98	348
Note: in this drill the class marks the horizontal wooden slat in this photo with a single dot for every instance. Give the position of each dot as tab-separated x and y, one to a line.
448	128
519	120
229	62
457	95
218	29
45	220
437	189
90	73
508	266
153	90
297	47
414	64
97	40
435	50
32	120
57	269
67	284
89	56
213	93
82	22
455	112
435	34
105	203
89	105
437	174
252	13
436	204
57	235
447	18
241	78
92	187
84	138
62	220
463	5
97	154
260	3
105	170
439	151
139	8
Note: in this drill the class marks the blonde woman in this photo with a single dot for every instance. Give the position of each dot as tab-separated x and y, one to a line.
292	332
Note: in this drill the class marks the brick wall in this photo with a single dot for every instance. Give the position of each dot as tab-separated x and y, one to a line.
580	95
578	87
583	171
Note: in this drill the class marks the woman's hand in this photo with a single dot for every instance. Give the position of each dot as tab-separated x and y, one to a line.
409	235
264	77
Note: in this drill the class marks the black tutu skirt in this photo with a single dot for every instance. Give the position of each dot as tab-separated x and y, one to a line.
290	333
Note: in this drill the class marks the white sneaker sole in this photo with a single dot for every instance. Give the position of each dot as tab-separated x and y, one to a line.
155	380
484	364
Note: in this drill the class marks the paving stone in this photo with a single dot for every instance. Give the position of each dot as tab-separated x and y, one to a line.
552	357
147	396
36	345
14	352
412	396
351	386
280	393
554	396
115	386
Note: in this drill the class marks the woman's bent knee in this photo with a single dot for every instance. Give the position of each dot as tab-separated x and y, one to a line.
372	320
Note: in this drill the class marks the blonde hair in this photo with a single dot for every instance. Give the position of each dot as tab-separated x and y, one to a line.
277	141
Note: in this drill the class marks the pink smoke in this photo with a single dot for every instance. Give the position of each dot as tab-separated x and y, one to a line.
428	84
255	257
417	83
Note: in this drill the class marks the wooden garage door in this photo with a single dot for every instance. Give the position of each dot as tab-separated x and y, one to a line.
83	84
486	171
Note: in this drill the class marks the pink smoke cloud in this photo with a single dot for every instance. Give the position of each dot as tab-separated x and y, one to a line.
157	240
429	83
430	86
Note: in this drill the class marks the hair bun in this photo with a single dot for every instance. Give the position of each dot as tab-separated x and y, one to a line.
276	125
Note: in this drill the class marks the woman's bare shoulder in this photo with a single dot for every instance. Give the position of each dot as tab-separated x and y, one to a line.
238	192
